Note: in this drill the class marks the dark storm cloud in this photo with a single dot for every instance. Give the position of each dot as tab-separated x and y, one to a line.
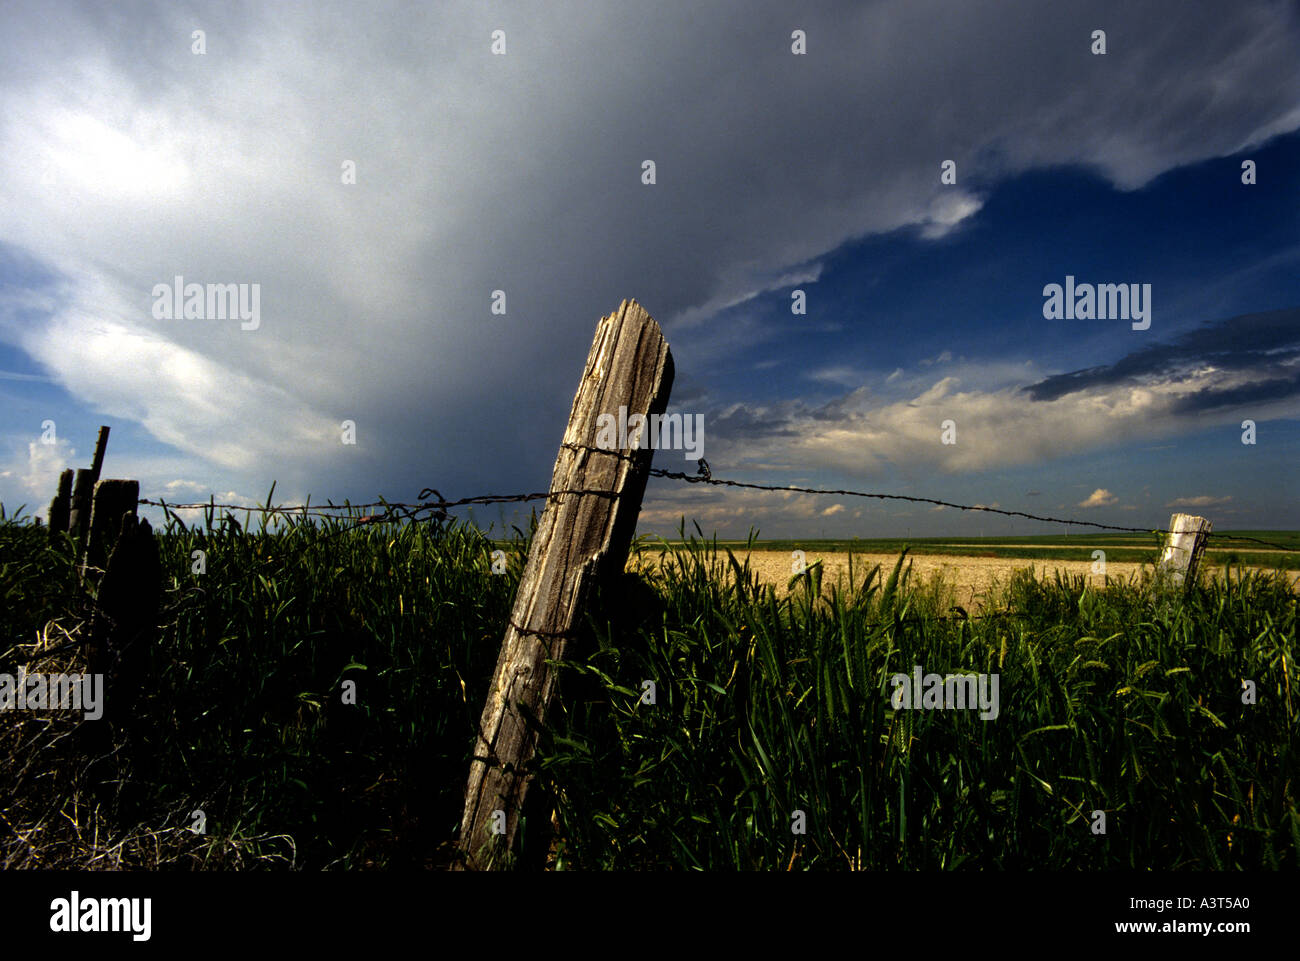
1265	392
1263	346
522	173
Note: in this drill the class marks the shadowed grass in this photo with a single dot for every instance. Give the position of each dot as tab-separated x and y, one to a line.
242	715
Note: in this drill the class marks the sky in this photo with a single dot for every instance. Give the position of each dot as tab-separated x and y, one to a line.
849	235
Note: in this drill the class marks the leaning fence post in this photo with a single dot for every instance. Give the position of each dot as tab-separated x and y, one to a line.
1182	551
581	537
97	463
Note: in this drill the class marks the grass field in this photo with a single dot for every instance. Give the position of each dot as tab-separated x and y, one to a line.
772	742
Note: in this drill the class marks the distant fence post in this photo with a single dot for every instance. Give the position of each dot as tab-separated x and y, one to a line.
101	444
79	512
580	538
61	505
1183	549
78	522
114	499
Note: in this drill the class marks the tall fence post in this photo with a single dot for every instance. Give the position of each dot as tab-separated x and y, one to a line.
1182	551
582	537
101	445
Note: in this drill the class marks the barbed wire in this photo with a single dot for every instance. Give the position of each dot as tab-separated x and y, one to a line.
393	510
1243	537
437	511
702	479
705	478
410	511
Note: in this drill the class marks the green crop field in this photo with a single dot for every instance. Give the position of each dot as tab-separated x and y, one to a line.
1134	729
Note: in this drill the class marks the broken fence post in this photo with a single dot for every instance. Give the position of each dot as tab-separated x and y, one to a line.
114	499
61	505
126	611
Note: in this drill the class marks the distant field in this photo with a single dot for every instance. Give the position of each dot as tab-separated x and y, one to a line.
1119	548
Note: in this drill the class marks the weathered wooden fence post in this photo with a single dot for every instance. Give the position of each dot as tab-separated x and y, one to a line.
114	499
101	445
126	609
82	491
582	537
61	505
79	511
1183	549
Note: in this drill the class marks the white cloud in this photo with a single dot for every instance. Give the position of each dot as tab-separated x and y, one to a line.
1203	500
942	358
734	509
947	210
184	487
838	374
1099	498
39	476
861	435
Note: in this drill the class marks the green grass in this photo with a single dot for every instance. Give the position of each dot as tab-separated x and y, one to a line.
1112	700
1121	700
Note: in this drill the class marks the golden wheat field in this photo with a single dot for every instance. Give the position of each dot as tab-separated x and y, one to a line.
974	580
